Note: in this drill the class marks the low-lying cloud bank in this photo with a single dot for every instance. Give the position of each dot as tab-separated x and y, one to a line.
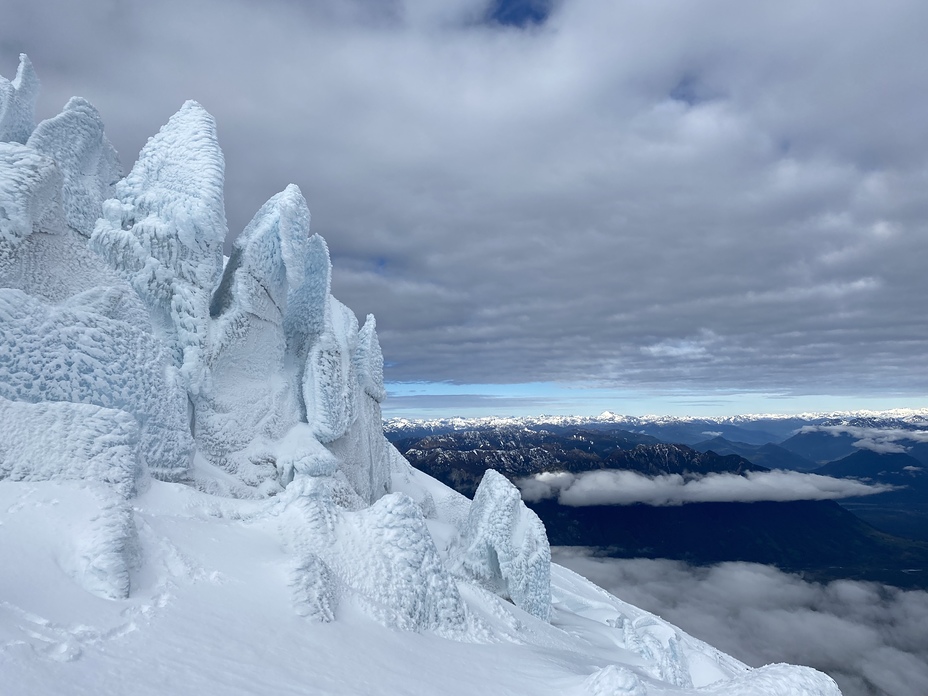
620	487
882	440
871	638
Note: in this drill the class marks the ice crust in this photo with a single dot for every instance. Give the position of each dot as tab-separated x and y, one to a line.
154	400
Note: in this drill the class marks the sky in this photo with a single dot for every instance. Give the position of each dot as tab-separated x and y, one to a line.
871	638
646	206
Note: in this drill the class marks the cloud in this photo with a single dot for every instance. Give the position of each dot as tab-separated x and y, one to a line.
620	487
882	440
871	638
617	194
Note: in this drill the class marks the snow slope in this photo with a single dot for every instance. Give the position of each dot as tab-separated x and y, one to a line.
196	496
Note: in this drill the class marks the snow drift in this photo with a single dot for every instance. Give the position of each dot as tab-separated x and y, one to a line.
192	459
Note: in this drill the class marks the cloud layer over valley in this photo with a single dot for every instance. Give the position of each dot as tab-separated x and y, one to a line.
619	487
873	639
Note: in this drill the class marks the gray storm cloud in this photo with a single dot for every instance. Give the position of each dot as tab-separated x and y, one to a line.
872	639
619	487
654	195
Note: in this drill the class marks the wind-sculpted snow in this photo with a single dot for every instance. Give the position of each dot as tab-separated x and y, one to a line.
329	380
17	103
249	395
50	353
165	229
87	161
504	546
30	186
49	441
613	680
383	555
776	680
369	360
308	300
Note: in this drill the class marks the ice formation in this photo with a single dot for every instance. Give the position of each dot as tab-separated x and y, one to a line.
17	103
505	547
172	419
87	161
164	229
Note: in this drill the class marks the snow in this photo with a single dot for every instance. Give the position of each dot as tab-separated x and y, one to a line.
164	230
62	441
249	396
329	378
30	187
196	496
504	546
307	300
369	360
58	353
87	161
17	103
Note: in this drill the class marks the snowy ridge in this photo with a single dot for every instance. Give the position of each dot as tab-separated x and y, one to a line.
905	415
194	479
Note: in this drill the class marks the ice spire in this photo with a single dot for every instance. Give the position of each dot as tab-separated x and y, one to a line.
88	162
369	361
267	258
165	228
307	301
17	103
247	352
329	380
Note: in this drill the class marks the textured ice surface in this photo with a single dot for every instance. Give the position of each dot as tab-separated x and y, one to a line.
17	103
383	554
369	360
249	394
55	441
30	189
504	545
54	353
308	300
87	161
329	380
364	452
165	228
57	267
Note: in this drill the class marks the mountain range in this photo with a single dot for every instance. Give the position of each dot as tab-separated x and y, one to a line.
877	537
